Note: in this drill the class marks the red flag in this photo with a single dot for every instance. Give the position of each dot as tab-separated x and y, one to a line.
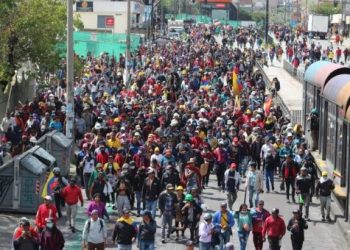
267	105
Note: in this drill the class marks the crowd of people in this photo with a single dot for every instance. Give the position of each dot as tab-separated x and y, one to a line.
300	48
151	143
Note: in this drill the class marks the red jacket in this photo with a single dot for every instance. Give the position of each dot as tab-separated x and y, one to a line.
274	227
19	230
102	158
45	211
72	194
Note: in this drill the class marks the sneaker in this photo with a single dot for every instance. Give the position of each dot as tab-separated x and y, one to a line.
329	219
323	219
163	241
73	230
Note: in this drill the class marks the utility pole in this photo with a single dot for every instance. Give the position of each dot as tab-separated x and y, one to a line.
128	30
266	23
70	73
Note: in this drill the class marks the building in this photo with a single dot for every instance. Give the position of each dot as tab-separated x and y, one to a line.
109	16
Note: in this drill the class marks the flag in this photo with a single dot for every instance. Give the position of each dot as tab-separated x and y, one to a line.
153	106
49	185
267	105
235	86
237	103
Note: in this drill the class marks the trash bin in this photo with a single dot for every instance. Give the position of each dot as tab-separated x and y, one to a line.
44	156
58	145
21	182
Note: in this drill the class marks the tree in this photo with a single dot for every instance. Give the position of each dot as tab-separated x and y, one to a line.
31	30
325	8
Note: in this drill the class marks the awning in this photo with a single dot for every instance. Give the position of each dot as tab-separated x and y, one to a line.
319	73
334	86
343	98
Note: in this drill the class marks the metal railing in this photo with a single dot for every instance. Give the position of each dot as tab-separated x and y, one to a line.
297	74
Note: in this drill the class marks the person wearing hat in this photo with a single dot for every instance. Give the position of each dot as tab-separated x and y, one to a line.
167	205
71	195
224	219
146	231
157	156
232	181
94	232
323	191
99	186
275	229
25	237
94	175
296	226
303	189
254	184
206	230
289	172
124	231
51	237
178	212
221	159
269	165
191	175
311	168
46	210
102	155
59	183
56	124
150	191
259	216
111	168
191	215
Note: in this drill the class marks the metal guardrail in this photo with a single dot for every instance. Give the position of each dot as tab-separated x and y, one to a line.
297	74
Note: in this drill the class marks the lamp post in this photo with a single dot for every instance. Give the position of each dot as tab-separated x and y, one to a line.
128	30
70	73
266	22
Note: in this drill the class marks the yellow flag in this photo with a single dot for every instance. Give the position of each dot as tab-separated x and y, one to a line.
235	87
47	189
237	103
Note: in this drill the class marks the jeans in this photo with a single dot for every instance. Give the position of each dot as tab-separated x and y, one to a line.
297	242
253	194
306	198
231	198
220	172
152	206
124	247
325	204
242	166
167	220
268	179
72	214
146	245
138	201
243	238
95	246
258	240
289	184
204	246
122	202
86	182
274	243
224	238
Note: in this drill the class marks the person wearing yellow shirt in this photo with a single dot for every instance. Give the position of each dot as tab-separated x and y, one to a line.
114	142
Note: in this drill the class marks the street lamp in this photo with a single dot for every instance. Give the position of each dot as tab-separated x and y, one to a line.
70	72
266	22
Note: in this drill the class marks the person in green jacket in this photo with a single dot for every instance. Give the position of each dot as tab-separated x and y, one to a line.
94	174
244	225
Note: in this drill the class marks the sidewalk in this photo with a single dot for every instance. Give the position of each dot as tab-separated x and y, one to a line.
291	93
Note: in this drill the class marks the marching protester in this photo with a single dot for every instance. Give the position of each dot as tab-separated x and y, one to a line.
94	232
254	184
259	216
323	191
146	232
225	221
51	237
244	225
45	211
303	189
275	229
25	237
206	231
232	181
296	226
124	231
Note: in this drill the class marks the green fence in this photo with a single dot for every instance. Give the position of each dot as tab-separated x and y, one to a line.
98	43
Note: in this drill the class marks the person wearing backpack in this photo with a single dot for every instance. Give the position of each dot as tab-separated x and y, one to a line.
94	233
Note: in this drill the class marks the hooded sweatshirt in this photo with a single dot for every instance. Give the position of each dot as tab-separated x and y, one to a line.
324	186
124	231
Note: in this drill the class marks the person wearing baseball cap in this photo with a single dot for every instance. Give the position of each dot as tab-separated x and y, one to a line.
206	228
323	191
224	219
46	210
232	180
167	204
150	191
94	232
296	225
303	189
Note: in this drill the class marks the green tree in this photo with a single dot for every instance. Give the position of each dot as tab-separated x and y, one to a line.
31	30
325	8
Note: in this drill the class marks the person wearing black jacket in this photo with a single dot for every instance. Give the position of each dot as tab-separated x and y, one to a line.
269	165
303	188
256	149
147	231
150	191
296	226
124	232
170	176
311	169
139	179
323	190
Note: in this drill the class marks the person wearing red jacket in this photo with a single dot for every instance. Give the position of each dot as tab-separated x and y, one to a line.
102	157
259	216
289	173
275	228
196	141
46	210
71	195
25	236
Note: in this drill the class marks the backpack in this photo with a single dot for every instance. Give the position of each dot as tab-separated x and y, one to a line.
89	224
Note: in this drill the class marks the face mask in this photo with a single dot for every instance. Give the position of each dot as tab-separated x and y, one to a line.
244	212
49	225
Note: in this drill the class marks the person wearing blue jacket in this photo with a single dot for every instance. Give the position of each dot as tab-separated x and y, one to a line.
224	219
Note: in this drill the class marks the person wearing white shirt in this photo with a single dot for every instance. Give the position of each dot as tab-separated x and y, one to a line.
268	145
95	232
206	228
